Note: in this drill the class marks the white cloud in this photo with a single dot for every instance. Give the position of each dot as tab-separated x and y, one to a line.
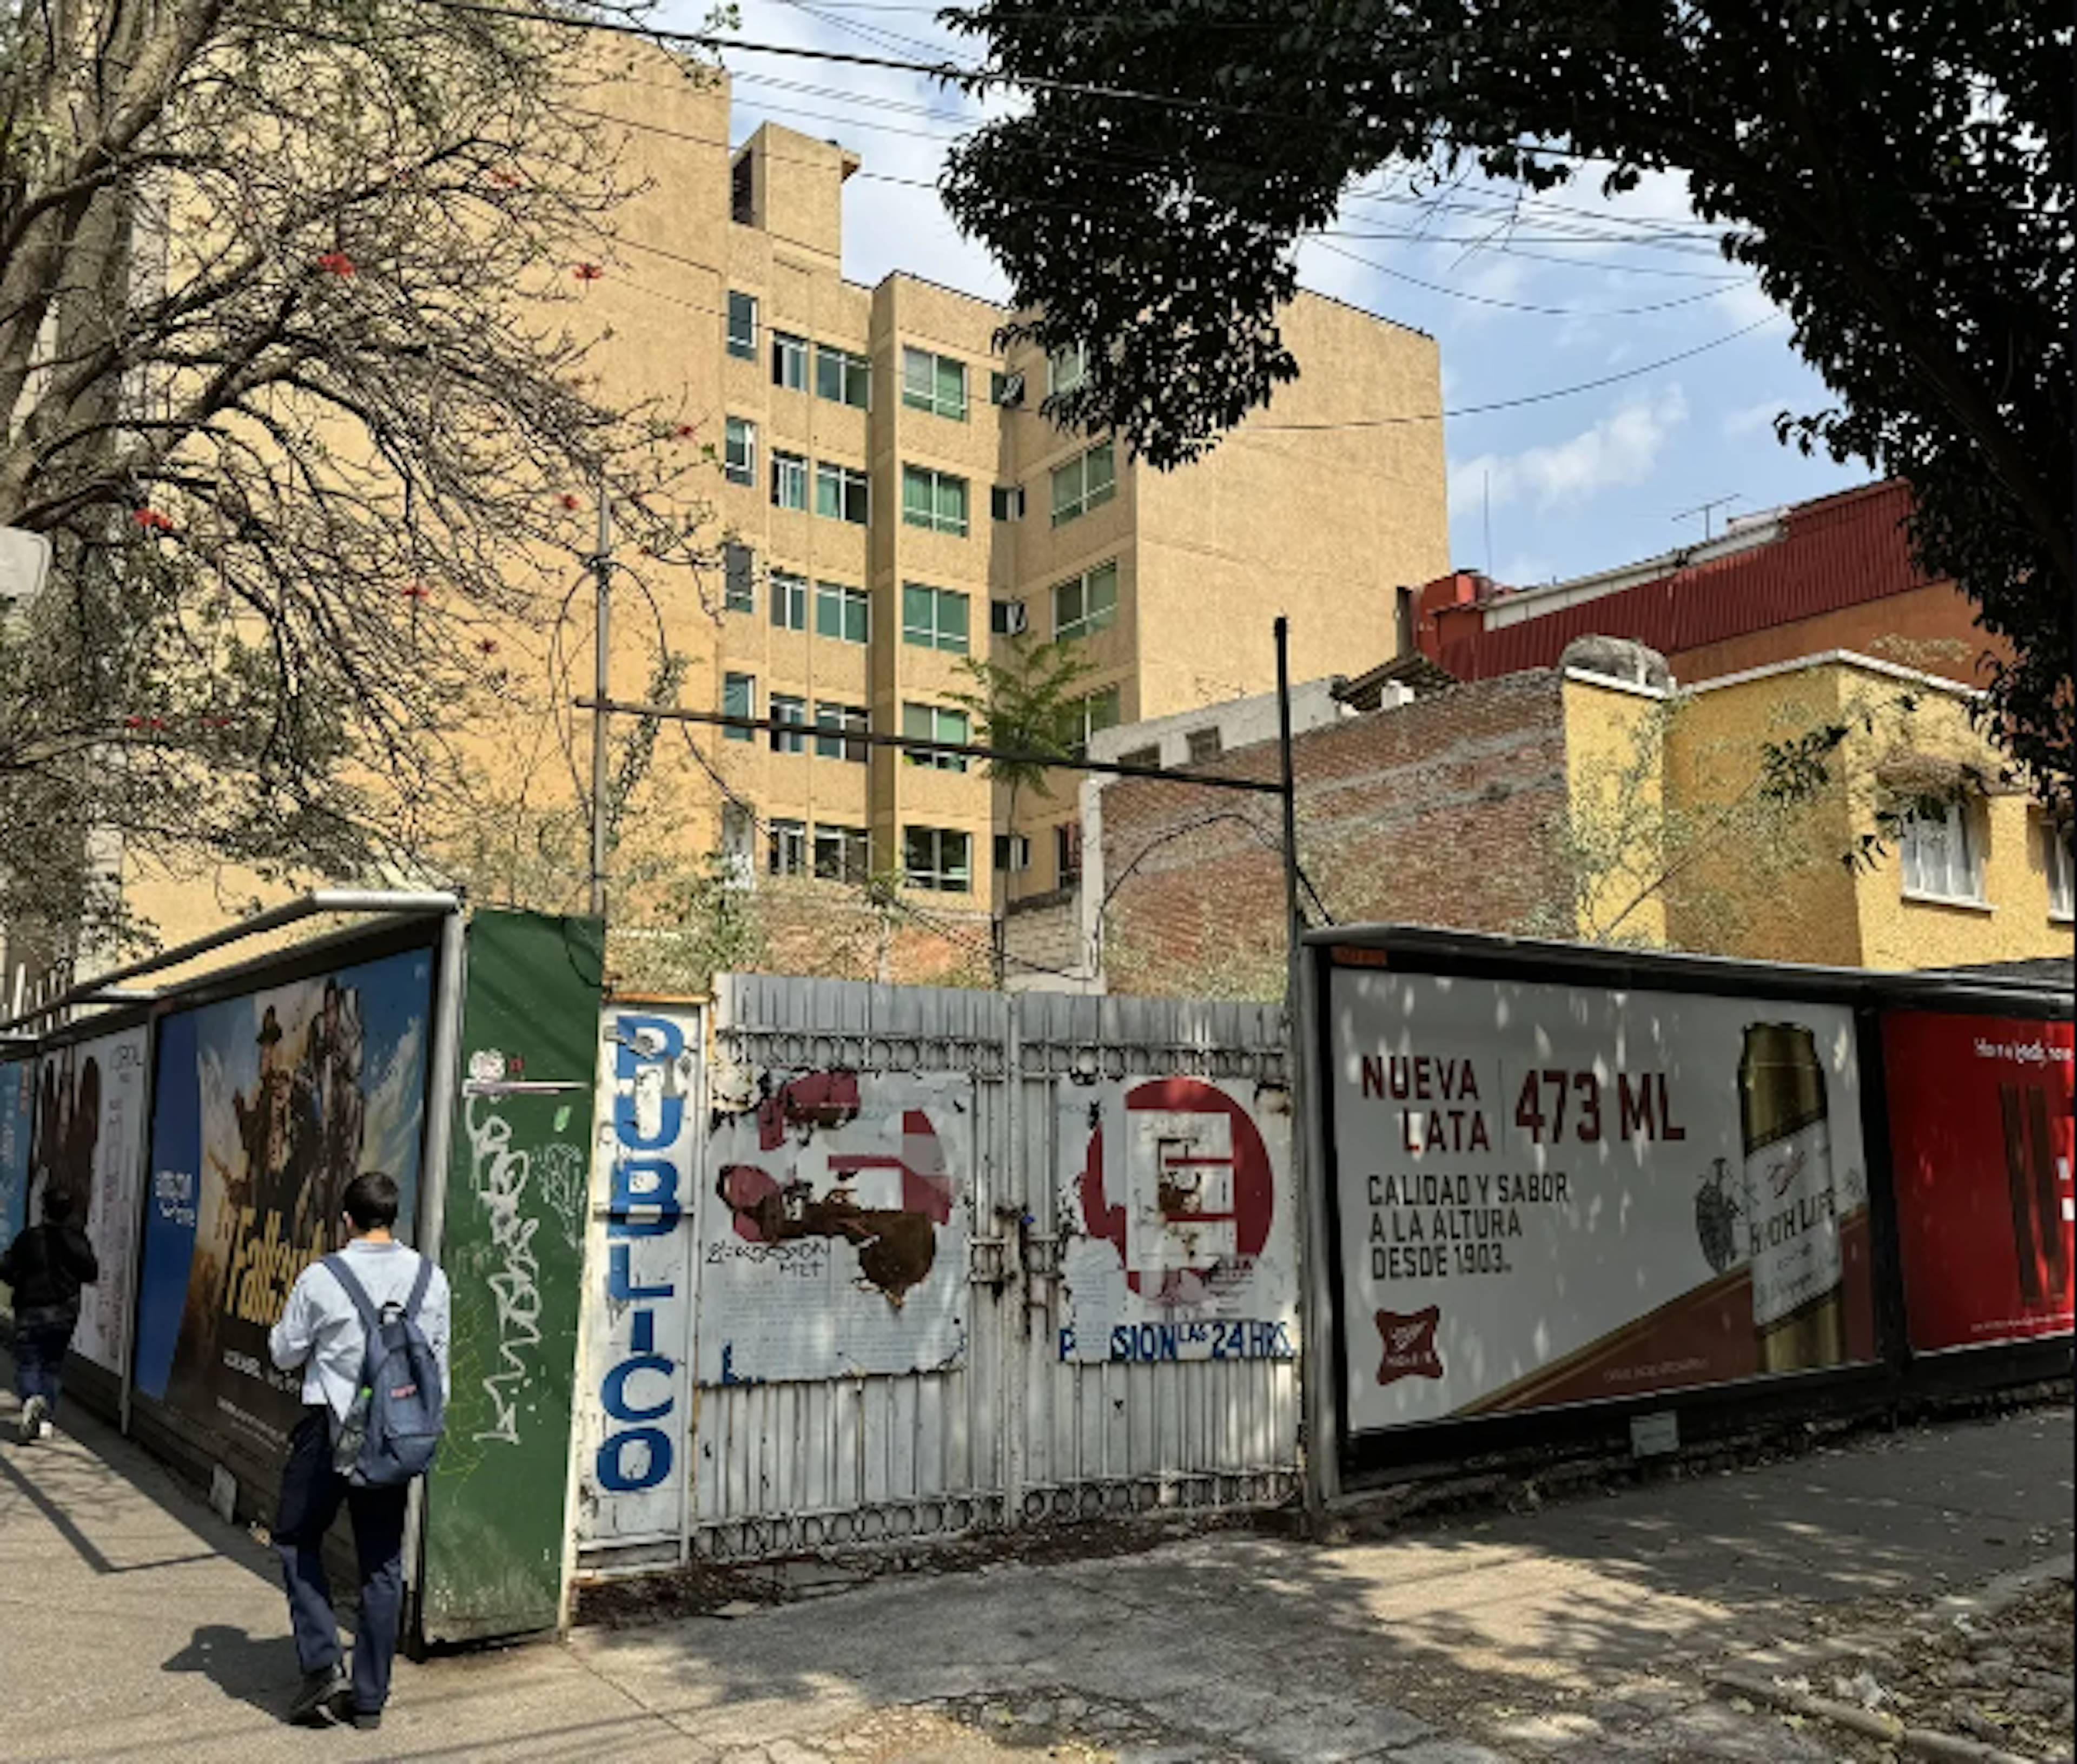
1751	418
1623	447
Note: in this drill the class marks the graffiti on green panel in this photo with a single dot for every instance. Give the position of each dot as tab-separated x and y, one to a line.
512	1243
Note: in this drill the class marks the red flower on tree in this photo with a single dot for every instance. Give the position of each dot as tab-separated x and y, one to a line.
487	645
587	272
152	521
416	591
570	501
335	263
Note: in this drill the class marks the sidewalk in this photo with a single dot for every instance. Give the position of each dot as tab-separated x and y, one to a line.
134	1624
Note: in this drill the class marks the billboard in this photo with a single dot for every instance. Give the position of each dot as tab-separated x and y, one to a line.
1980	1131
833	1233
265	1107
89	1141
1180	1240
1557	1194
18	1105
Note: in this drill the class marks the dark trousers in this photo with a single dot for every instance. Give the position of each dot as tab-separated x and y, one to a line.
311	1492
43	1336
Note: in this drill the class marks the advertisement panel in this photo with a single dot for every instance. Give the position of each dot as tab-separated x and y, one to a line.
633	1407
833	1233
1552	1194
17	1104
1980	1128
512	1243
264	1107
1180	1239
90	1142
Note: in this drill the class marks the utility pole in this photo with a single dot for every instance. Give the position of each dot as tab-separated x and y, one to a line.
602	565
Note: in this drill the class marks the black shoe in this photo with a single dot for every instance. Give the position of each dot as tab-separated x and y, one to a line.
367	1720
312	1707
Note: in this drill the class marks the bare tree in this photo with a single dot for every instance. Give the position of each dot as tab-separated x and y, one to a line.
291	376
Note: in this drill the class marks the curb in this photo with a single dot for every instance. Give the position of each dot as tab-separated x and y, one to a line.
1918	1742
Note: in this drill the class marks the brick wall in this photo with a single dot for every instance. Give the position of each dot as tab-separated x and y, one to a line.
1437	812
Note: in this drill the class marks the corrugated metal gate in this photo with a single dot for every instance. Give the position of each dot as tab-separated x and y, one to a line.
931	1261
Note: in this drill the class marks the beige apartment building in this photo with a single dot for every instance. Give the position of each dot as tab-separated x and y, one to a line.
894	504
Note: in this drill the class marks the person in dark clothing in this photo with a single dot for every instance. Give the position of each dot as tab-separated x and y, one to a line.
46	1265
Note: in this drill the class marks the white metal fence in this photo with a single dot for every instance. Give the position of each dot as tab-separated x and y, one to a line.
868	1263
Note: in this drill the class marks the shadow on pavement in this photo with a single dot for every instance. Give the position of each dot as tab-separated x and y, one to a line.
253	1669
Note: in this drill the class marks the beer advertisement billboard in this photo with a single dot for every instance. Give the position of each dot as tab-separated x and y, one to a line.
1558	1194
265	1106
1980	1131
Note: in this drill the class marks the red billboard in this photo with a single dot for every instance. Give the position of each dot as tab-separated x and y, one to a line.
1981	1134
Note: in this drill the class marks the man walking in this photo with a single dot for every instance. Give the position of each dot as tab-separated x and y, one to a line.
46	1265
321	1331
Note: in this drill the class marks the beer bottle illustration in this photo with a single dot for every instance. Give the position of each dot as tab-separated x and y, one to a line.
1791	1205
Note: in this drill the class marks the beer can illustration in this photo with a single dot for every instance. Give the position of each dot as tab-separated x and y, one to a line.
1791	1203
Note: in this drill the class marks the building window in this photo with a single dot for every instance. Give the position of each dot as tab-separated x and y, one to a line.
738	698
789	361
1068	854
933	722
843	377
1203	745
934	383
791	710
2061	874
1941	861
842	493
742	326
790	481
741	207
1012	853
933	618
786	854
842	854
1067	369
739	846
934	499
1090	715
1141	756
1085	605
1005	501
1087	481
738	583
833	722
1008	618
937	858
845	613
789	601
739	452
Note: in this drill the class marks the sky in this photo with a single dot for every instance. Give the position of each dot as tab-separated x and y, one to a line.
1525	295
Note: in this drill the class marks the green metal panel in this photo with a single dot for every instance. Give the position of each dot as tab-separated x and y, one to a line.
512	1243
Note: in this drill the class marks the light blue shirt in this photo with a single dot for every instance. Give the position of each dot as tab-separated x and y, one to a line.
320	1330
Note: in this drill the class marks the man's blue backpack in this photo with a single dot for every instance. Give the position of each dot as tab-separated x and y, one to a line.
393	1426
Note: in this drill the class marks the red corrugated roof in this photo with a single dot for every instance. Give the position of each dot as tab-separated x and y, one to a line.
1840	551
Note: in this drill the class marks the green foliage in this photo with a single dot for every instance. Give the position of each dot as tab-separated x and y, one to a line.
1899	180
1025	703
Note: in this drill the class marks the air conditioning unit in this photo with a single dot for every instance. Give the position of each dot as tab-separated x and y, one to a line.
1008	619
1010	392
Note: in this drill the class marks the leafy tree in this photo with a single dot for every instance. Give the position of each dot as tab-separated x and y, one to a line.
290	380
1900	178
1025	703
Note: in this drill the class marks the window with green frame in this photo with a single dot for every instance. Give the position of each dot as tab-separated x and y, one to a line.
934	383
935	723
934	499
933	618
738	698
742	326
842	492
1086	604
1087	481
843	613
843	377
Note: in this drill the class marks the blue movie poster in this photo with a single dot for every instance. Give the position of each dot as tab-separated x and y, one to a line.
265	1107
18	1105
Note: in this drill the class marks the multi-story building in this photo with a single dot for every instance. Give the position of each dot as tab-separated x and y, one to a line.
895	506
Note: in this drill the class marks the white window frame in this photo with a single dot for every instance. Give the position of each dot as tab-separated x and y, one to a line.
937	521
789	361
843	479
935	722
786	847
932	398
846	601
1085	621
739	846
1083	495
791	709
1067	369
833	723
738	578
742	344
1068	854
842	853
2060	871
788	595
1083	709
1012	853
1005	501
935	635
747	708
853	371
790	481
937	875
739	451
1945	864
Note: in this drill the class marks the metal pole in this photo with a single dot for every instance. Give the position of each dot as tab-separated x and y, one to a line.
602	564
1310	1357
